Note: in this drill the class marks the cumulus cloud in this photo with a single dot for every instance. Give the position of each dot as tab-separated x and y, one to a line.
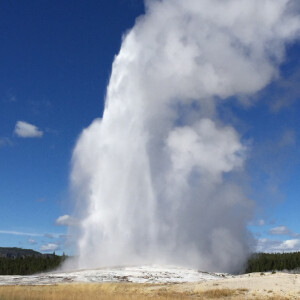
49	247
271	246
26	130
290	245
66	220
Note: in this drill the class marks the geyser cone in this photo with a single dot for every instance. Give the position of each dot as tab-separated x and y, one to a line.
152	176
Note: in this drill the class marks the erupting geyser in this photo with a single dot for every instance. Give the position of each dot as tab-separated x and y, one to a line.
154	176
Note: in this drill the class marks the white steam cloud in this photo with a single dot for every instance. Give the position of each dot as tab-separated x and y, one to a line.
153	176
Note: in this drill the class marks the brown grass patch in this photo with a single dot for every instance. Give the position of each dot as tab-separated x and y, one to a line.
107	291
218	293
278	298
125	291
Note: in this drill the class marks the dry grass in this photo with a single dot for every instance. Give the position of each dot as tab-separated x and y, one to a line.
218	293
107	291
278	298
123	291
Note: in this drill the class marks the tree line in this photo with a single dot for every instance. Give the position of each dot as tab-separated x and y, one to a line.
263	262
27	265
30	264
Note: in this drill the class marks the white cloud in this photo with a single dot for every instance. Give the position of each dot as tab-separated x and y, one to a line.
261	222
12	232
66	220
31	241
49	247
280	230
266	245
26	130
19	233
290	245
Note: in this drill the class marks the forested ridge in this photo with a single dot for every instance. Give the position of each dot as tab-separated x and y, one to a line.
17	261
263	262
13	252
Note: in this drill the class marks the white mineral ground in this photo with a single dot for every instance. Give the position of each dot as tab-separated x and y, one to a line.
134	274
175	279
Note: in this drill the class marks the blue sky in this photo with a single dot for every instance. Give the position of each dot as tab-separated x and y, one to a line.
55	63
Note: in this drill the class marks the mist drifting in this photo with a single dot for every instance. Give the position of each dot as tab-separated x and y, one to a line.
154	177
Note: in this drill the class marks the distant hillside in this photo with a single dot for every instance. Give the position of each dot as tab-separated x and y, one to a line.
18	252
17	261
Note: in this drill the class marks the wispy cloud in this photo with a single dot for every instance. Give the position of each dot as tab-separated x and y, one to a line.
27	130
4	141
260	222
286	92
287	139
32	241
49	247
40	200
10	96
30	234
40	106
66	220
282	230
19	233
49	235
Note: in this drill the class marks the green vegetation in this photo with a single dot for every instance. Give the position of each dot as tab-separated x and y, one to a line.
264	262
16	261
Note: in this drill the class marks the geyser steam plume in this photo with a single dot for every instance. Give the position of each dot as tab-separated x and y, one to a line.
154	176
